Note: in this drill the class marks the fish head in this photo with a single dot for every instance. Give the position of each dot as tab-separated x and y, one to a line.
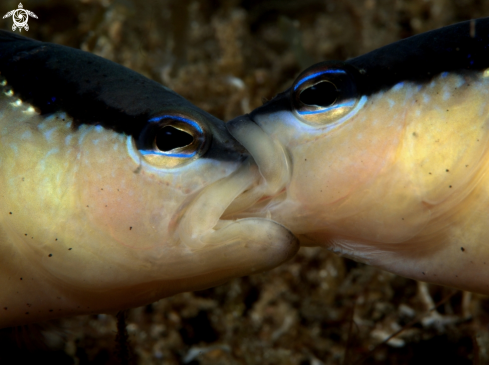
113	189
383	158
325	133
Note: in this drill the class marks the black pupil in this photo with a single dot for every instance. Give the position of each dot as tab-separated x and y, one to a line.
169	138
322	94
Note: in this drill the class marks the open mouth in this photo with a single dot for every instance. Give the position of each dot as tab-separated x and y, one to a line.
269	155
249	192
252	203
273	165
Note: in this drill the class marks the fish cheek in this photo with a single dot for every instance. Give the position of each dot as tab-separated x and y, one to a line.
112	225
124	202
333	173
435	160
120	210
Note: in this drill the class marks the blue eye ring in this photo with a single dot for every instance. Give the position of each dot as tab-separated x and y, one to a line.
194	147
333	71
330	90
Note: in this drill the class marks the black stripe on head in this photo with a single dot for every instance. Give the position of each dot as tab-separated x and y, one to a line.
89	88
279	103
461	47
96	91
455	48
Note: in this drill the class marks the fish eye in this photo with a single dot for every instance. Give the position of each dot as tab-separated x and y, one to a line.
324	93
172	140
169	138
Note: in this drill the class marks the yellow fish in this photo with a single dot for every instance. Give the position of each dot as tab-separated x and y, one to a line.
384	158
112	189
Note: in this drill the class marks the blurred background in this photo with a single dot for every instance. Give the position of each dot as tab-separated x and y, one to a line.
227	57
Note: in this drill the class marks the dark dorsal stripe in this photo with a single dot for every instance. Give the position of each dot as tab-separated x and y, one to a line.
462	47
89	88
455	48
97	91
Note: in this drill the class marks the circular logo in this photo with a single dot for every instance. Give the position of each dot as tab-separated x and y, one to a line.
20	18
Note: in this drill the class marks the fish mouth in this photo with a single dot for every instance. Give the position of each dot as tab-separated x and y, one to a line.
207	218
258	183
273	164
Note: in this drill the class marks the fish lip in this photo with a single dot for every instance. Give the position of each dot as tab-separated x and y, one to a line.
245	118
236	184
270	155
270	158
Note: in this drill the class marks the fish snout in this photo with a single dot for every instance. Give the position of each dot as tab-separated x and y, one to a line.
268	153
225	147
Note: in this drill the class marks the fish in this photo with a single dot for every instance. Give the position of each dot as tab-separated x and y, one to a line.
112	189
383	158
